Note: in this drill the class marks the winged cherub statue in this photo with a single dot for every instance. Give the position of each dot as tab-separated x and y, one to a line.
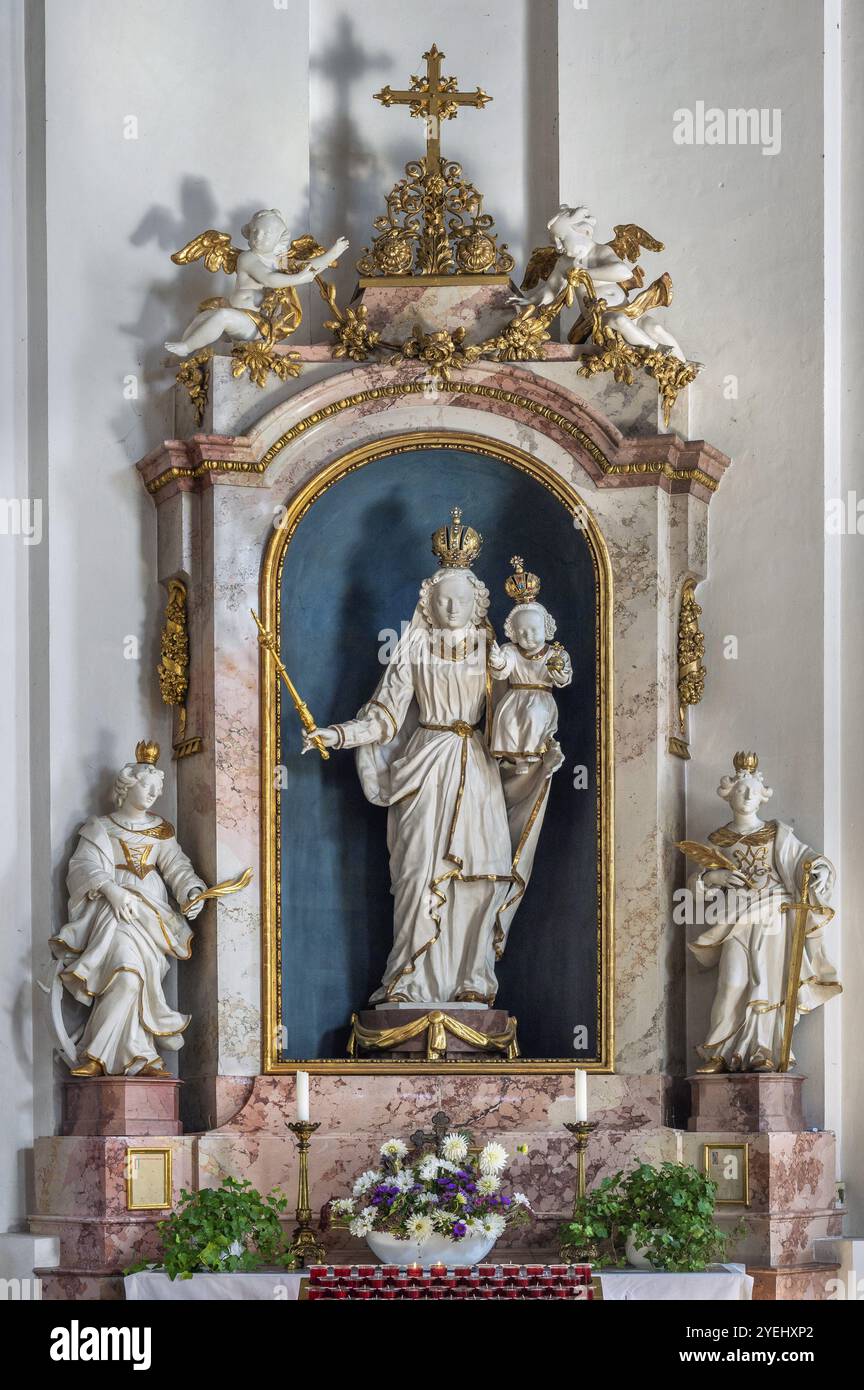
266	278
611	273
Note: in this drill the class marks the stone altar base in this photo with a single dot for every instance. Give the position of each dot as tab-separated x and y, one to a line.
122	1105
434	1032
745	1102
80	1179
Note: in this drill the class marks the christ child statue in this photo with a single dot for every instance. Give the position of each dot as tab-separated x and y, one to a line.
526	718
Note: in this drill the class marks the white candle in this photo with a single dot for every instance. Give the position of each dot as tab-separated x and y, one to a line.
303	1096
581	1097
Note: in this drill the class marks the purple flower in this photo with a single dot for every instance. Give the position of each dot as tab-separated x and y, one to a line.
459	1229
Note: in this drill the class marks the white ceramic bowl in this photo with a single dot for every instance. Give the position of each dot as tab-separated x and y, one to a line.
390	1250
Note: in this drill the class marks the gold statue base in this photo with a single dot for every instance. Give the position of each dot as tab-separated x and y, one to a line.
434	1034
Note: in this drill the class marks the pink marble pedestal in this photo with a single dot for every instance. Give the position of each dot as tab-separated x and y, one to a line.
122	1105
746	1102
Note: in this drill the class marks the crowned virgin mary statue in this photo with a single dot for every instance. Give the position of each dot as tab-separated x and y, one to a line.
460	847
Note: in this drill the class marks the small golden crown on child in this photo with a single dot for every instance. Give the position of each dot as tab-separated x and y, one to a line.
455	546
147	752
745	762
522	586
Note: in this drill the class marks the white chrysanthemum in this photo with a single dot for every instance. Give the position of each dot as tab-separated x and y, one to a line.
488	1184
366	1180
428	1170
454	1147
493	1157
443	1220
361	1225
419	1227
394	1148
343	1206
474	1227
520	1200
445	1166
403	1179
494	1224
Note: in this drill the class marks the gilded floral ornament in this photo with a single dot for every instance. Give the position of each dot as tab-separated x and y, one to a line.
173	668
354	338
194	374
691	650
434	225
442	353
523	338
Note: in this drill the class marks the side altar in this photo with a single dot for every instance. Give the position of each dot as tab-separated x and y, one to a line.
472	916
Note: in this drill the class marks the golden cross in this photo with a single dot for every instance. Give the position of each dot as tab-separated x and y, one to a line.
435	98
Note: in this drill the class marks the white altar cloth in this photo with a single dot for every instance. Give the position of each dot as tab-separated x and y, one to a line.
719	1284
274	1285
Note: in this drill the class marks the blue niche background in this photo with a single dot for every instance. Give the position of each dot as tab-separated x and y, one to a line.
351	574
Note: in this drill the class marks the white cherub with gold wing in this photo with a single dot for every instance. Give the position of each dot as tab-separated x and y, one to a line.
266	278
610	274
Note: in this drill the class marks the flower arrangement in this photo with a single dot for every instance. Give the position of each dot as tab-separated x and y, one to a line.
456	1193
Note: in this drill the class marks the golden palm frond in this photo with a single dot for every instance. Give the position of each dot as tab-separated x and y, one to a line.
709	857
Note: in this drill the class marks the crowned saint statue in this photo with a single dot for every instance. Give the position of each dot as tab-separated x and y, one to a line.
461	831
114	952
761	872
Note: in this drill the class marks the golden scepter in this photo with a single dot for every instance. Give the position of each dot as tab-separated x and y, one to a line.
268	642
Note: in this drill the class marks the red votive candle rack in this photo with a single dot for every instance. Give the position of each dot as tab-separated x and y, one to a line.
345	1283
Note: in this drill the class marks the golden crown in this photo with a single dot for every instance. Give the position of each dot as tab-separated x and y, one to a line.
456	546
522	586
745	762
147	752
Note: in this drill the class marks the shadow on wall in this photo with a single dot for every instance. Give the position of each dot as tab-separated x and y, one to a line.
349	177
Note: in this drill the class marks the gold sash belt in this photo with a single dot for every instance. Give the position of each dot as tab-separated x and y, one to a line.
517	685
457	727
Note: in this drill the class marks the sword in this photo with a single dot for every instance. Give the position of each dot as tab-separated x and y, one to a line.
802	911
268	642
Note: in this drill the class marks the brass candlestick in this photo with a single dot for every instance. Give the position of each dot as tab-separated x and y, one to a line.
305	1247
581	1131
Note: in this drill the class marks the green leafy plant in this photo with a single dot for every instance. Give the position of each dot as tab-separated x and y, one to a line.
222	1229
668	1212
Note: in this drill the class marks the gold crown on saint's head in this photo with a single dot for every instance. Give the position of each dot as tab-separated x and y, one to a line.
456	546
522	586
147	752
745	762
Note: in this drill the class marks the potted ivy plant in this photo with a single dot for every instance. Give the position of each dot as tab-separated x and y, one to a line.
653	1218
221	1230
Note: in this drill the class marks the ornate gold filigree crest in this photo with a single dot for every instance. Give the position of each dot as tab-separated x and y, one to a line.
434	223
